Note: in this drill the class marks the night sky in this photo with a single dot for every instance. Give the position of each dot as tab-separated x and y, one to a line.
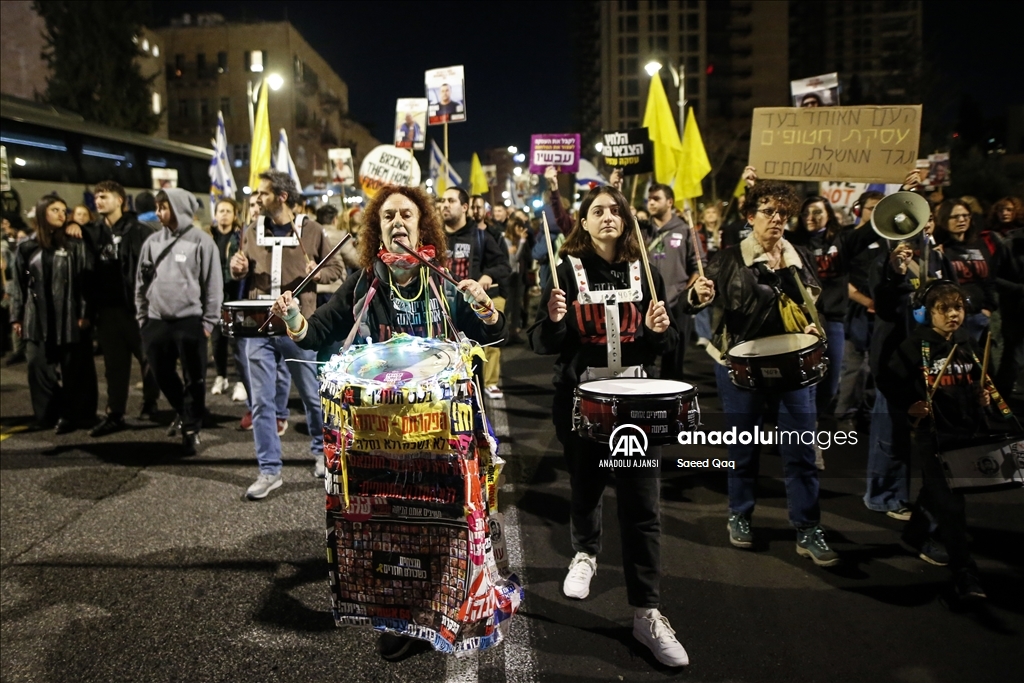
518	58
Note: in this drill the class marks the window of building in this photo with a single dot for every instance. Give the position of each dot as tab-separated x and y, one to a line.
225	106
632	45
201	64
658	4
204	109
628	24
627	5
693	43
632	87
179	65
240	153
693	21
657	22
222	62
692	64
692	85
182	109
658	43
633	108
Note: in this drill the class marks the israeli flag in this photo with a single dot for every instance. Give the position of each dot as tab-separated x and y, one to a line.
437	162
222	181
284	161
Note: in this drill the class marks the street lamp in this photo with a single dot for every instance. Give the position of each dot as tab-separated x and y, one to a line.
678	77
599	147
275	81
512	149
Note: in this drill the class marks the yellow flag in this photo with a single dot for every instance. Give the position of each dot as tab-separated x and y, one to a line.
661	127
440	185
477	177
741	188
259	155
693	162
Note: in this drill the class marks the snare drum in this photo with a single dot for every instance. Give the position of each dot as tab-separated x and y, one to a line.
992	464
783	362
244	318
660	407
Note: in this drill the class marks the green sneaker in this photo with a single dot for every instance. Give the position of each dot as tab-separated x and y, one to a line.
811	543
739	531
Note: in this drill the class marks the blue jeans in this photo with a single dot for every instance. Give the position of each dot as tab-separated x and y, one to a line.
702	321
825	391
284	382
888	480
745	410
263	358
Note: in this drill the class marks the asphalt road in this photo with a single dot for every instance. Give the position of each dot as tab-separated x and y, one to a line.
121	560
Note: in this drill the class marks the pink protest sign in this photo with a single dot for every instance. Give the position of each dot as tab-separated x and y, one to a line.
561	150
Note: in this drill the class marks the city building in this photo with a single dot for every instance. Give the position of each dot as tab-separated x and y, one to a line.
213	65
25	72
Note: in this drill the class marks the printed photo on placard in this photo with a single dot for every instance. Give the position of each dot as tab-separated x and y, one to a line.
411	123
446	93
341	166
816	91
939	172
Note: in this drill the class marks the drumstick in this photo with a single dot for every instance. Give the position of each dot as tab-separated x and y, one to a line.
551	250
696	242
643	257
366	306
428	264
935	387
984	361
312	273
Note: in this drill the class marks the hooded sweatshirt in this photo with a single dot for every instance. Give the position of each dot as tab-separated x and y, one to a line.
188	280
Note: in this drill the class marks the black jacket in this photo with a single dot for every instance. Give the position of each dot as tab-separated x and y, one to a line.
566	338
473	252
975	272
49	308
331	323
834	258
747	297
114	253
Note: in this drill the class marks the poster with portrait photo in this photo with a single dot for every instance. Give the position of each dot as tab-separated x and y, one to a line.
411	123
939	171
164	178
446	94
816	91
341	166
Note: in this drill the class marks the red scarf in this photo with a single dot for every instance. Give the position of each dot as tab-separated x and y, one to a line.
404	260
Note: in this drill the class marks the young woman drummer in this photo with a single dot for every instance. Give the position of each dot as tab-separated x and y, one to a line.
602	254
405	299
762	283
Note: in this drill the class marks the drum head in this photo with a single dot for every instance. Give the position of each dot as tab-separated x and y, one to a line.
247	304
634	387
400	363
773	346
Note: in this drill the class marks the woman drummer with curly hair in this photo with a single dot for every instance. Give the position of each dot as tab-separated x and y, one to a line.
761	284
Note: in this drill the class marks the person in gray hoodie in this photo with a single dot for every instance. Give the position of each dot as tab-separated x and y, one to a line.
178	295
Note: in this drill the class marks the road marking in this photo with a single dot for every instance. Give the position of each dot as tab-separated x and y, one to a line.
12	431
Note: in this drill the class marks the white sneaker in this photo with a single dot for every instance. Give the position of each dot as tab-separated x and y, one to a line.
219	385
239	395
654	631
819	458
494	392
319	469
581	571
703	342
264	484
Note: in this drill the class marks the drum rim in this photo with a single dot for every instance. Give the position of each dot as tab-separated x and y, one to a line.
248	303
819	342
584	392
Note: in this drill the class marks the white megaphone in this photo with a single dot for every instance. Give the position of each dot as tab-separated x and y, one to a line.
900	216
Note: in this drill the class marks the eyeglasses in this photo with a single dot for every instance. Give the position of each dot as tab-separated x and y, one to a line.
771	214
959	216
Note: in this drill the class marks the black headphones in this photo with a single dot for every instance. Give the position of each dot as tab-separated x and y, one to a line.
921	297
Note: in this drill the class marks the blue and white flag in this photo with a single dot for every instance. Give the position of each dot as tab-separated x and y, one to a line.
284	162
588	176
437	161
222	181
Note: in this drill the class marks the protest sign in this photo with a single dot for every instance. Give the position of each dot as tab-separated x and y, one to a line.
446	93
164	178
628	150
562	150
856	144
842	196
411	122
388	165
341	166
816	91
938	171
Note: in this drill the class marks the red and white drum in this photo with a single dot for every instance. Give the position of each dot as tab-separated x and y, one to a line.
782	362
660	407
244	318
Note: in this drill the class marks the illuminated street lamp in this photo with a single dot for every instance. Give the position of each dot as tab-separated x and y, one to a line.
275	81
599	147
512	149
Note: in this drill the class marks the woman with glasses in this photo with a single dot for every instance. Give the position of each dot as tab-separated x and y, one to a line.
833	249
761	283
957	236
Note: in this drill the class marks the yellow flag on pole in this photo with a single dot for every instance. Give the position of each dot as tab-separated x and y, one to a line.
741	188
661	127
259	155
477	177
693	162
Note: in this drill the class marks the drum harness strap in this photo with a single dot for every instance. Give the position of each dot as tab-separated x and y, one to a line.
809	303
277	245
611	300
